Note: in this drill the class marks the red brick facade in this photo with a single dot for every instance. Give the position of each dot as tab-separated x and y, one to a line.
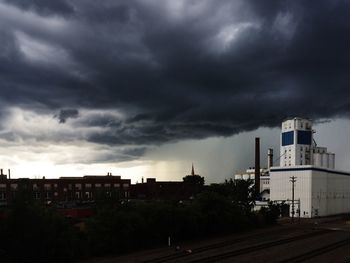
65	189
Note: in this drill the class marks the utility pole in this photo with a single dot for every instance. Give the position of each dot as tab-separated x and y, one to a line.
293	179
299	209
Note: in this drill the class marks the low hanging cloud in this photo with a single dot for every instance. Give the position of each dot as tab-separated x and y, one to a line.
25	133
66	114
173	70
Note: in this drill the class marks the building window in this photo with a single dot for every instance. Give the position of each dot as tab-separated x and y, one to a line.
77	195
87	185
107	185
36	195
287	138
97	185
2	196
14	186
304	137
125	185
48	195
117	185
78	186
2	186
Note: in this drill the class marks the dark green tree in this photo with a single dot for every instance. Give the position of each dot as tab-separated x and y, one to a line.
240	192
194	180
31	232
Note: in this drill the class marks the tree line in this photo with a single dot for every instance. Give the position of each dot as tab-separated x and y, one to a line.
32	232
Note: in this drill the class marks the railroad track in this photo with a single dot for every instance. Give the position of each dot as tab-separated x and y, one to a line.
317	252
258	247
214	246
236	252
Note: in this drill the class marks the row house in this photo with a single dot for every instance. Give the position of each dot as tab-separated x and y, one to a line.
65	189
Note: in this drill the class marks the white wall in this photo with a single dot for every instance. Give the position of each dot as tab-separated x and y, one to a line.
321	193
281	187
331	193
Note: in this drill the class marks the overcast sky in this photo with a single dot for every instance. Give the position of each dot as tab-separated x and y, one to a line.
146	87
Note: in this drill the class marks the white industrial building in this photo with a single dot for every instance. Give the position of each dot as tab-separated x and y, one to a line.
320	189
264	174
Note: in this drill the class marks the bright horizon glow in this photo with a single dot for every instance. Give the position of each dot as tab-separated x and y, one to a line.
136	170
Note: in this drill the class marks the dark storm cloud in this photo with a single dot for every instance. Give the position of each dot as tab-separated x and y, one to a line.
65	114
177	69
102	120
44	6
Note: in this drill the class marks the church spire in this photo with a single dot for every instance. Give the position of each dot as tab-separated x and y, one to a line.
192	172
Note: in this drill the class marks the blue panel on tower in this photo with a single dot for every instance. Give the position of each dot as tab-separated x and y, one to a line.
287	138
304	137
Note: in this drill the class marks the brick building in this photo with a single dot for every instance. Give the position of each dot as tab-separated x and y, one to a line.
152	189
90	188
64	189
168	190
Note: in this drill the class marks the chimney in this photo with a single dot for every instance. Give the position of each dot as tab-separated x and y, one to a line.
269	158
9	174
257	166
1	172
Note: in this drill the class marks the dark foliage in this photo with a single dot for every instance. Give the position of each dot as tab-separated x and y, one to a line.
119	226
33	233
194	179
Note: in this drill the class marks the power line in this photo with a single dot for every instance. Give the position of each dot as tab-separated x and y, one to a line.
274	161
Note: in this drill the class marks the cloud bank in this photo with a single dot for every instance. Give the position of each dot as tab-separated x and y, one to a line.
133	74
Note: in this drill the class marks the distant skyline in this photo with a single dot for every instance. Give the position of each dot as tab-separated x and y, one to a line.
146	87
